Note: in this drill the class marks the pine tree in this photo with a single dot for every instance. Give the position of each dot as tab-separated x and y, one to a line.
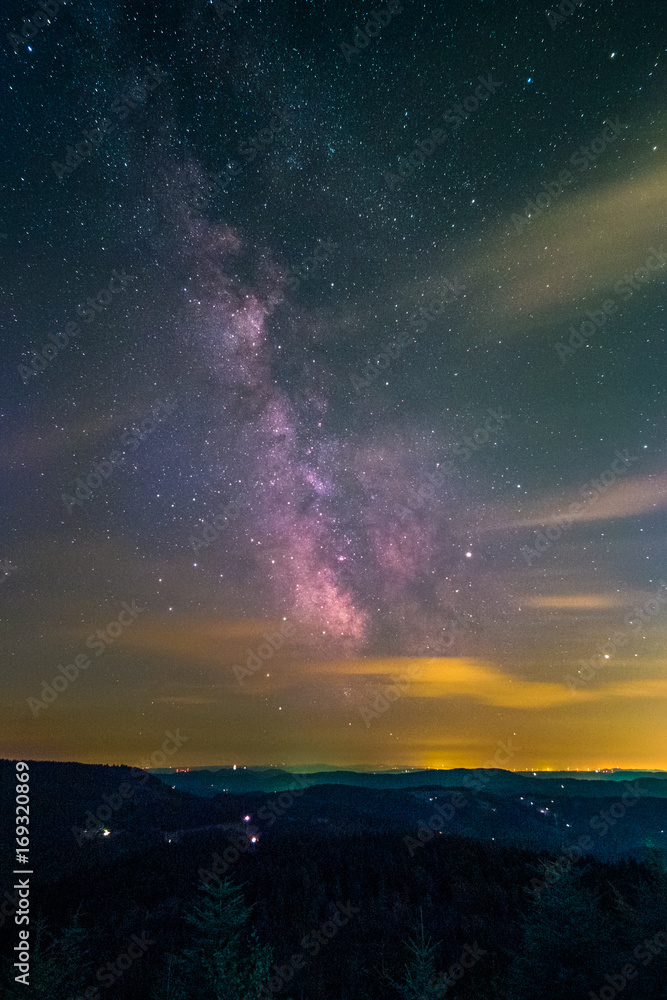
170	986
225	962
419	980
59	966
567	941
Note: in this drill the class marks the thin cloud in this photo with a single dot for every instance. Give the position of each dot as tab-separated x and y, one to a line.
622	498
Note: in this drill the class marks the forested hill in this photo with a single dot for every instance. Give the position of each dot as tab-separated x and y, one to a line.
210	781
113	810
550	892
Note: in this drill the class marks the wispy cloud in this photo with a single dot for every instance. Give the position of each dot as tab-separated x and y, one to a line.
575	251
622	498
577	602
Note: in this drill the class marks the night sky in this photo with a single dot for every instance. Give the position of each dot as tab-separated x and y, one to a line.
356	346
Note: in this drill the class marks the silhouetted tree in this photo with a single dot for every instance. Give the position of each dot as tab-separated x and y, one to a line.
170	986
226	960
419	980
59	966
566	942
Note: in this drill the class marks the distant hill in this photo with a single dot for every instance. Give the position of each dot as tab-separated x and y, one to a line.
209	782
83	819
613	774
72	804
465	857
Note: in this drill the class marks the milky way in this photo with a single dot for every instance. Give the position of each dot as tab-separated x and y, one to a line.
388	442
331	541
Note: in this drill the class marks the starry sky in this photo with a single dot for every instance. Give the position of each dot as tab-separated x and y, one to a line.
353	340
